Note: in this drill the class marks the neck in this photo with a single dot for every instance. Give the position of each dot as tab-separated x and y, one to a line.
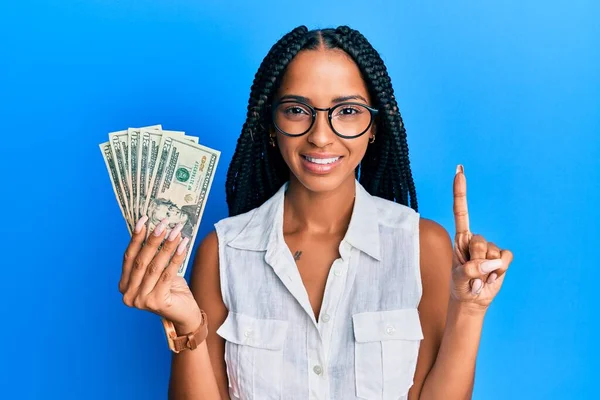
318	212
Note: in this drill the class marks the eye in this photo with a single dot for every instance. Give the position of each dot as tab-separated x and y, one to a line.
292	111
295	110
347	111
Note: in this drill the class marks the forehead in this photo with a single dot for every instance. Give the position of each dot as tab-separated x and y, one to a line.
322	75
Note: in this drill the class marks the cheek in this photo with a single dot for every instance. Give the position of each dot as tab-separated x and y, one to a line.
357	147
287	146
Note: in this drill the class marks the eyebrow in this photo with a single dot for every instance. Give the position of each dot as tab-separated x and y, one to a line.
338	99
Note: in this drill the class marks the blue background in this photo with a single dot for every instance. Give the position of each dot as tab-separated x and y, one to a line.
511	89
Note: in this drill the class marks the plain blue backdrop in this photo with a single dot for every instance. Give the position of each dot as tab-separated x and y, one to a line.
511	89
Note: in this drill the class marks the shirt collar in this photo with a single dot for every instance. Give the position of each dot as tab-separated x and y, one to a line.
262	227
261	231
363	231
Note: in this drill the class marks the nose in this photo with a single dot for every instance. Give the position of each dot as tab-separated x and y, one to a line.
321	133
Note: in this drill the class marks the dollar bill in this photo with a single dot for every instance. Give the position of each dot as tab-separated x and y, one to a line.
143	168
134	152
151	140
118	165
120	153
180	187
109	160
162	174
133	136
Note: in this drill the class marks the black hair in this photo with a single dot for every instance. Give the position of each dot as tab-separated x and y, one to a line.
257	169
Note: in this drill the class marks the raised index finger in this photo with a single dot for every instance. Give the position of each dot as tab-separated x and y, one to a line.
461	213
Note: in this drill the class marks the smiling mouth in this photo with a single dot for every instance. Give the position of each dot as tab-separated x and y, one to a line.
321	161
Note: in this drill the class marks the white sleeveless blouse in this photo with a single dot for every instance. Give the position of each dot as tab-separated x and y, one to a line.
366	341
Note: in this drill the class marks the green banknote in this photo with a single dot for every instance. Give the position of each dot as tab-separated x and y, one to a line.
162	174
180	187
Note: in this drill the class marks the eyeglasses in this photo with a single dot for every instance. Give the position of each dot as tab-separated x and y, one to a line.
347	120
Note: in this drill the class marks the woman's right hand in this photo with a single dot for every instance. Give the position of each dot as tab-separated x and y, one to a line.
149	280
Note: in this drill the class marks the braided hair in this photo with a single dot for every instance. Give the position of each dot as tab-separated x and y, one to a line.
257	170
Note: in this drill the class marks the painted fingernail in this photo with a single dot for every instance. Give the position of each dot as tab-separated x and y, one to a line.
160	228
175	232
140	224
489	266
460	168
183	246
492	278
477	286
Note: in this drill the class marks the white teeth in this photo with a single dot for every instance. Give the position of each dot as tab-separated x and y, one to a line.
322	160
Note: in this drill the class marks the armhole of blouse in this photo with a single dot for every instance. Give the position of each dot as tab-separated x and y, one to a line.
222	265
417	255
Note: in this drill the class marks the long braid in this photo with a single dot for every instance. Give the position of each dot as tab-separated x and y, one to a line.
393	179
248	182
257	169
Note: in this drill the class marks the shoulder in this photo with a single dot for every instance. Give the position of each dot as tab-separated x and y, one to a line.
433	236
230	227
434	241
435	254
252	222
394	214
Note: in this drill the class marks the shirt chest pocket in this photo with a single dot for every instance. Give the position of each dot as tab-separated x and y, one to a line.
254	356
386	351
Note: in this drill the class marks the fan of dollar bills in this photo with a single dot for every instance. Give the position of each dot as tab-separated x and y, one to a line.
161	174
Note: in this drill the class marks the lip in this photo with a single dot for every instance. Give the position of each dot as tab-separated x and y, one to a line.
320	169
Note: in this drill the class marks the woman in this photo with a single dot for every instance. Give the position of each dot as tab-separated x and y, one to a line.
319	285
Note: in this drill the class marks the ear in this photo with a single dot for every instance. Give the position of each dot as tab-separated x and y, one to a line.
272	133
373	130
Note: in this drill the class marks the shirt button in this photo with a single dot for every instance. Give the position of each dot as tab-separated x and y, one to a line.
337	272
248	333
325	318
318	370
390	330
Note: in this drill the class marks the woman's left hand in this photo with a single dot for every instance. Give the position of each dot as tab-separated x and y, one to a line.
478	266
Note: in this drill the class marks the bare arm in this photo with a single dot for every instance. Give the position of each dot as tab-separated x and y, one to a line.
452	375
201	374
436	266
446	364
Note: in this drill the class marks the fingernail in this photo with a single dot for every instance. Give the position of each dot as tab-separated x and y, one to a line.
460	168
160	227
489	266
140	224
175	231
492	278
477	286
183	246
